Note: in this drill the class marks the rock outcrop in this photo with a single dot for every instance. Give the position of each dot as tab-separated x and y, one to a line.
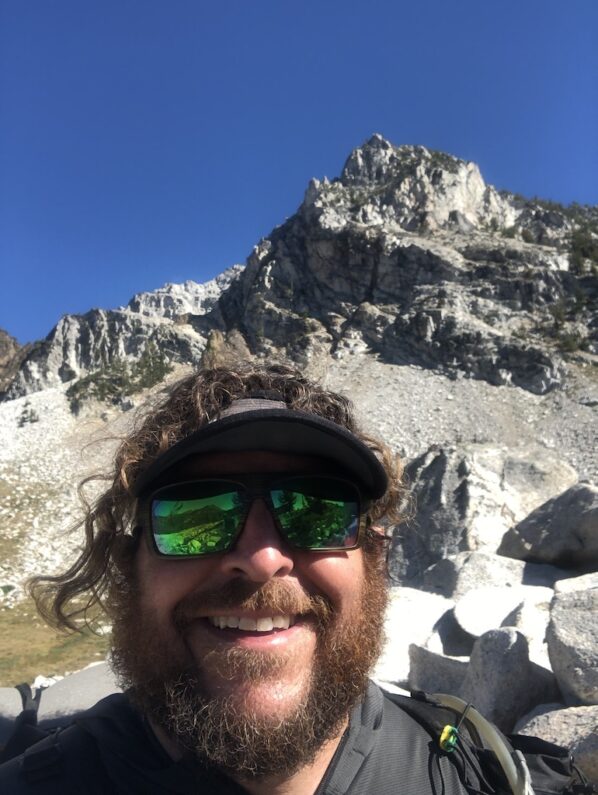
175	319
10	356
467	498
189	298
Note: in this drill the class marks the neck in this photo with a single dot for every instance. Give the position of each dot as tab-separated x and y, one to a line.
304	782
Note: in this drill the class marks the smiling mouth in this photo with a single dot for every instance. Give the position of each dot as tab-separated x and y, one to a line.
247	624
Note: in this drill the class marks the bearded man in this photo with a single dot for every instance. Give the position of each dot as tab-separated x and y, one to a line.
240	556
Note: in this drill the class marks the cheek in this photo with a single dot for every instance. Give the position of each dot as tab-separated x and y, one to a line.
337	575
163	583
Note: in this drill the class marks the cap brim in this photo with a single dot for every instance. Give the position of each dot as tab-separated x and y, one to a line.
276	430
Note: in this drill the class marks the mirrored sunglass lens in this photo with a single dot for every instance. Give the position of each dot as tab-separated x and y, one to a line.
316	513
198	523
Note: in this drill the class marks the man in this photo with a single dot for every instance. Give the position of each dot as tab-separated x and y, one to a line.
239	554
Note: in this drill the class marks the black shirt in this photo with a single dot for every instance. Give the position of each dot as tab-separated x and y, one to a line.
110	750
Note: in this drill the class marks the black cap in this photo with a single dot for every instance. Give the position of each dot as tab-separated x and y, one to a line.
266	424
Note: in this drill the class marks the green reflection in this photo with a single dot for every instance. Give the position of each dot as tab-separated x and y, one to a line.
314	522
195	526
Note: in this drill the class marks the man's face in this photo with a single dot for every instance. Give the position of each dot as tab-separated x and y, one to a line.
302	630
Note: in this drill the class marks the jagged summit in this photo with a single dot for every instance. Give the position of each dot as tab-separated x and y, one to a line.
410	187
418	189
190	297
378	161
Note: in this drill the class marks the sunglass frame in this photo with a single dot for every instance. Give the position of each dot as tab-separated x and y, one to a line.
254	486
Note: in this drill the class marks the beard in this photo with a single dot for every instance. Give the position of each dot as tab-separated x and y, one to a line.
169	685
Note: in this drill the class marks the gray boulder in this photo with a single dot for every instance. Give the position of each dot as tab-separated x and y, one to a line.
575	728
582	583
562	531
434	672
467	498
572	639
501	681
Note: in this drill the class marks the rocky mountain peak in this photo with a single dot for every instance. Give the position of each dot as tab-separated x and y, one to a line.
377	161
410	188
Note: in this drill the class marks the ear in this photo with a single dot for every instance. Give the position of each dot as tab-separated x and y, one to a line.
376	528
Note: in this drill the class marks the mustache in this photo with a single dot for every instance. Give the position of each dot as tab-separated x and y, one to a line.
274	597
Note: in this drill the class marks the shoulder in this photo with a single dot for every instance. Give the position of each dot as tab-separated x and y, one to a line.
69	760
405	749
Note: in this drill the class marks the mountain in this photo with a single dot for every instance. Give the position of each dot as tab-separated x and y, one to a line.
408	256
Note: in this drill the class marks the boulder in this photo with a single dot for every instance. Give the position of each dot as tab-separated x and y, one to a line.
575	728
410	618
467	498
456	575
434	672
562	531
572	639
501	681
581	583
525	608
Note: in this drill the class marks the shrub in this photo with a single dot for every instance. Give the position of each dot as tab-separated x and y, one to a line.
117	379
583	246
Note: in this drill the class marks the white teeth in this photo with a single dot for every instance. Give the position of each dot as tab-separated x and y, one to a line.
266	624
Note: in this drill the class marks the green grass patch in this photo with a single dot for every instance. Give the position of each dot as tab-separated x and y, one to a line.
29	647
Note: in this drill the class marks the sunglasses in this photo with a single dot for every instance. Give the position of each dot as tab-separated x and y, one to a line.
205	517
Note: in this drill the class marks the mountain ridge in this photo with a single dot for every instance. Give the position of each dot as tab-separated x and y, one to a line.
408	254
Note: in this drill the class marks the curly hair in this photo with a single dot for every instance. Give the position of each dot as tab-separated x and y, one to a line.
70	600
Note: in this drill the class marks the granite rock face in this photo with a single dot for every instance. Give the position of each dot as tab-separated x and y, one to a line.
463	322
176	319
10	355
189	298
468	498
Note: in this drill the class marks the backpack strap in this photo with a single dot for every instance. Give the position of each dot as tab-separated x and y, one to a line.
534	765
512	762
25	730
66	760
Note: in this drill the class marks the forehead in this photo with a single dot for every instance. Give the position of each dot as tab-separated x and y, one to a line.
249	462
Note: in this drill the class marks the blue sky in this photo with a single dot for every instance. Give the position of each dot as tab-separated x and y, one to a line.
143	142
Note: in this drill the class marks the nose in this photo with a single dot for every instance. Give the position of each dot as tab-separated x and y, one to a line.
260	552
